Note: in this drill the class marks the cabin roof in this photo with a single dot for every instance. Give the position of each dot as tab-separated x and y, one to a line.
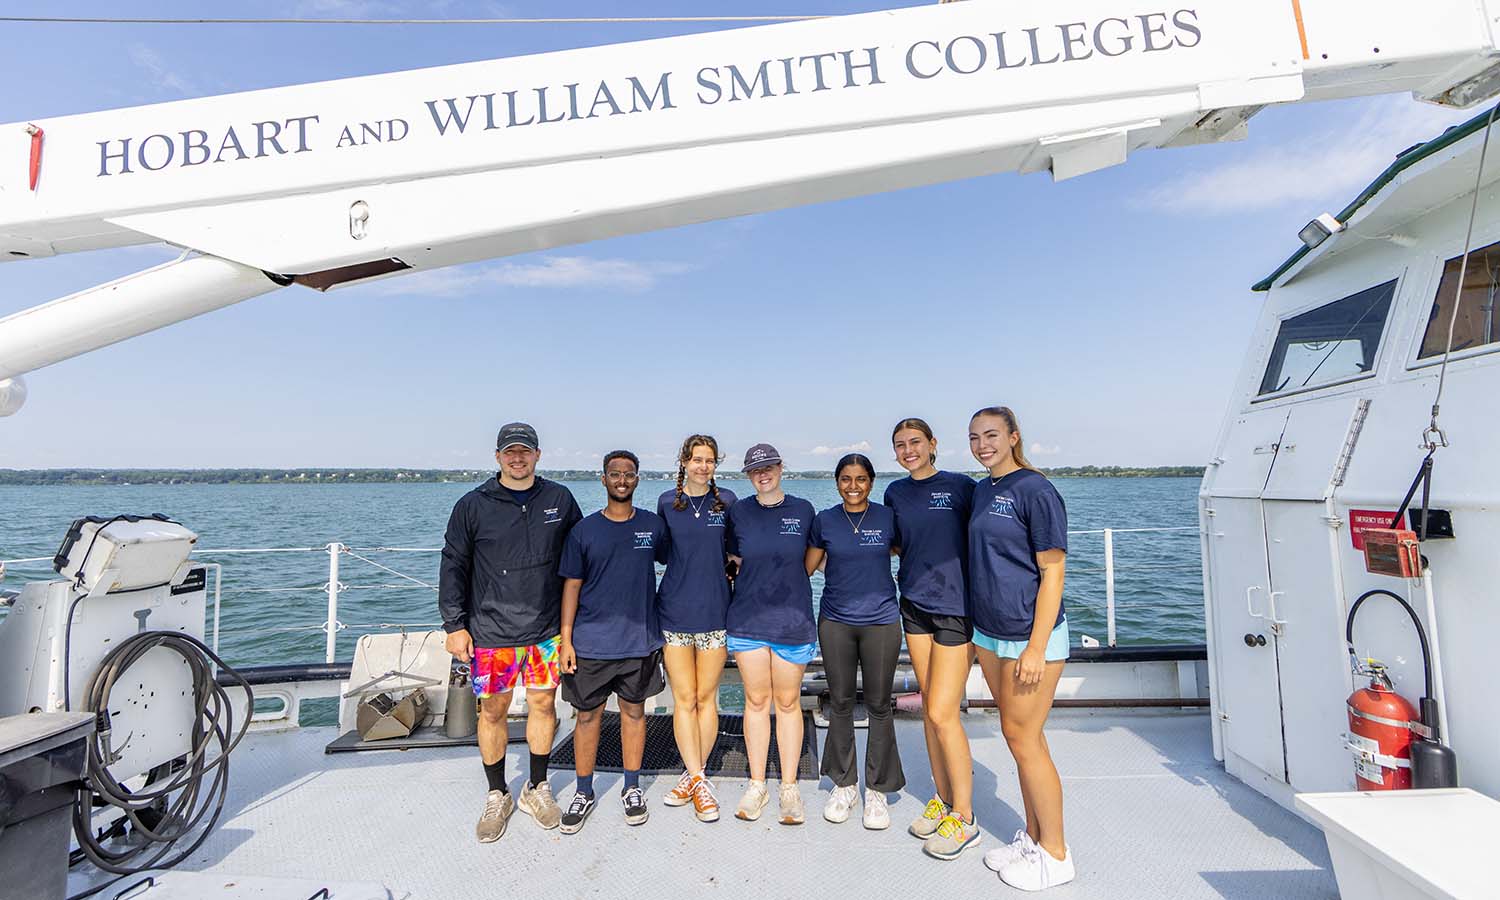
1406	160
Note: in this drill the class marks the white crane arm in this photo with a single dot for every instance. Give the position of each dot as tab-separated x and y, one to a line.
345	180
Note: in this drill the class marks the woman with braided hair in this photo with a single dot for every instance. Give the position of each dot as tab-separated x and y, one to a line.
692	601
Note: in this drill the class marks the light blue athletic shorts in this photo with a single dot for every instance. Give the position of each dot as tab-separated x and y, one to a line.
798	654
1057	644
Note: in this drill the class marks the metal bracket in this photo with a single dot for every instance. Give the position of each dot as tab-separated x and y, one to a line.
418	681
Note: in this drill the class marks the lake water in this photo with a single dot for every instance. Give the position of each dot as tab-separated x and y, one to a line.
275	604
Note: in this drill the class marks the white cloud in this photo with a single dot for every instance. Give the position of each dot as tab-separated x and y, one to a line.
822	450
1039	449
1333	161
558	272
157	69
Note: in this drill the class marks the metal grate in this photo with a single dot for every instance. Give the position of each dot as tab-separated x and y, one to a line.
727	759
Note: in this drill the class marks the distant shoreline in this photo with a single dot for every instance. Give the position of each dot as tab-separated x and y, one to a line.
70	477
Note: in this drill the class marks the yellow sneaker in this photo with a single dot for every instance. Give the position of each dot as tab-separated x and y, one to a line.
953	836
925	825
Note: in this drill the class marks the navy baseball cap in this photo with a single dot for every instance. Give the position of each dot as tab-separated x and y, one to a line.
760	456
517	433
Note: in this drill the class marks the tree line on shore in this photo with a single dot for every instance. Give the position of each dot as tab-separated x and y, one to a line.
429	476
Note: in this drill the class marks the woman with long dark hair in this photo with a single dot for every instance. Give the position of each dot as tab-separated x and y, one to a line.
1018	544
859	631
932	525
693	601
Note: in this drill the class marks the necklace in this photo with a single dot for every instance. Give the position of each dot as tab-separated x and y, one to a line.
697	507
765	505
861	518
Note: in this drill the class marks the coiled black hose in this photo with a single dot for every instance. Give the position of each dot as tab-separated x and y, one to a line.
200	782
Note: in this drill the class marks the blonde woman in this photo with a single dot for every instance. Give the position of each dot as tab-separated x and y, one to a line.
1018	544
693	600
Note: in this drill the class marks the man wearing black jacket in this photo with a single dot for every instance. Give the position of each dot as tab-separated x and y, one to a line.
501	601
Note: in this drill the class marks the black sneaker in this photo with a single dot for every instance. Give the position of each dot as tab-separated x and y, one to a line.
636	812
578	812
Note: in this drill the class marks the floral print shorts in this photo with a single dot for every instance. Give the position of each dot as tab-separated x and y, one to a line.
703	640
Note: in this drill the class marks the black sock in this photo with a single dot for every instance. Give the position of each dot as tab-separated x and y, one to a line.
495	773
539	767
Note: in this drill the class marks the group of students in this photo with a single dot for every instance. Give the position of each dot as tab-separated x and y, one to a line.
536	595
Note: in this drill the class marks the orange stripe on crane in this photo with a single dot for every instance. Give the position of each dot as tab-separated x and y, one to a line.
1301	28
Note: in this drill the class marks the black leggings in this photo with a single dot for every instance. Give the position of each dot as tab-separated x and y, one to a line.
873	650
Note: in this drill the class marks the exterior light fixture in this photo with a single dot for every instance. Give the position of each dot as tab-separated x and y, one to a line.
1318	230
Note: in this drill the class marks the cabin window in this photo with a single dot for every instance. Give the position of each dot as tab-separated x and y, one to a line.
1334	342
1477	323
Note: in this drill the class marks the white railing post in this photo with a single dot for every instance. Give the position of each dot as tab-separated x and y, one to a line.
1109	582
332	627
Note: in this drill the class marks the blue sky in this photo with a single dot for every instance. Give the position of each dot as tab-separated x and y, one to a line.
1111	311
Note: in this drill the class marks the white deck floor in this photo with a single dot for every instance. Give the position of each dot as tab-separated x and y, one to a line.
1150	815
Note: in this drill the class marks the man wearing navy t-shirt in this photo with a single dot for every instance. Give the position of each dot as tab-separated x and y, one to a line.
611	637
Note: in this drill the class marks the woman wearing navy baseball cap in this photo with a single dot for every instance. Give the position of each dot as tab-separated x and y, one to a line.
770	624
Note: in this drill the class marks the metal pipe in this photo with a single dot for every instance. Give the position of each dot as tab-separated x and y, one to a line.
218	581
1433	642
332	625
1111	703
124	308
1109	582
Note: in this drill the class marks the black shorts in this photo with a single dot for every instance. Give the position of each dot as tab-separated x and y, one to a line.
950	631
633	680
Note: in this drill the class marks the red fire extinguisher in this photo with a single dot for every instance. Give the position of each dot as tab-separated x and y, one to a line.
1380	733
1394	744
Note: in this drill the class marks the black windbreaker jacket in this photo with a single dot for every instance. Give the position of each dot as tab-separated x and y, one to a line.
499	571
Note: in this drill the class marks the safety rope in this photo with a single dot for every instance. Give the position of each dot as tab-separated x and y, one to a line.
1433	437
377	565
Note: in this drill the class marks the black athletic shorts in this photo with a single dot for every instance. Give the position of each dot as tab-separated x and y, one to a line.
632	679
950	631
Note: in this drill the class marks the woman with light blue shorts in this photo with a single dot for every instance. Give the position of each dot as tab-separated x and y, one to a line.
770	625
1018	544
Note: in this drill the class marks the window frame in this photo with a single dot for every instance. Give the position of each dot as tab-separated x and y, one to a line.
1397	280
1415	362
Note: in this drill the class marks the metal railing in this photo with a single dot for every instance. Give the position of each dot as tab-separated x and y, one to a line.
334	588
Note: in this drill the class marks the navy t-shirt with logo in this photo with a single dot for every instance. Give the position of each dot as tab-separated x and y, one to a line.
694	592
1013	520
772	595
932	530
857	585
617	605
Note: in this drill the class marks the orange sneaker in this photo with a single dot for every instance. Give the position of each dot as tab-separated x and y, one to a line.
682	794
705	804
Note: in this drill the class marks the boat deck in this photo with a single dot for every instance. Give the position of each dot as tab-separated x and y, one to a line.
1150	815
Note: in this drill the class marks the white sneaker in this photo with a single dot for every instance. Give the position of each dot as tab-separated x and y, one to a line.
877	815
840	801
1037	870
1000	857
755	799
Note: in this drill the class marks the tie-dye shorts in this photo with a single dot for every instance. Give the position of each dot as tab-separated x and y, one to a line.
498	670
